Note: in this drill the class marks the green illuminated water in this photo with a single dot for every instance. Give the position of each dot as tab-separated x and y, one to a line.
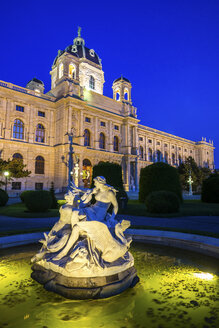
168	295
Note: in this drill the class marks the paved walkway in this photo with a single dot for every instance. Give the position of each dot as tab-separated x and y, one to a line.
200	223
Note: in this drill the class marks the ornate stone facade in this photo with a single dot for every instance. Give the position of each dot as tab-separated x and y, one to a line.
34	125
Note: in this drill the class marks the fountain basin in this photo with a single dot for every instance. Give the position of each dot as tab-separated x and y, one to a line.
176	289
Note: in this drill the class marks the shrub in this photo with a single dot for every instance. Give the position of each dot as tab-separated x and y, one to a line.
162	202
210	190
157	177
23	194
38	201
113	175
3	197
122	199
52	193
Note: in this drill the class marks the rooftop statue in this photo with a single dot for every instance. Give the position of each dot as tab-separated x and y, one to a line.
87	242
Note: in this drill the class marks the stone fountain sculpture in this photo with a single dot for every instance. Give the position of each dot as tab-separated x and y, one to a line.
85	255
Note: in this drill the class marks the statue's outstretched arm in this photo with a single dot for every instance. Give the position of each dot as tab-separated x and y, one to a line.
114	203
86	198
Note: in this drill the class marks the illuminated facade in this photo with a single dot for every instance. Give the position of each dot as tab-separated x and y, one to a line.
33	125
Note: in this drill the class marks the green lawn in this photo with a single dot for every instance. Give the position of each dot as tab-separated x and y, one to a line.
19	210
188	208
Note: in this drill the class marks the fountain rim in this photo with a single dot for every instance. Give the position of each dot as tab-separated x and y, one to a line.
195	243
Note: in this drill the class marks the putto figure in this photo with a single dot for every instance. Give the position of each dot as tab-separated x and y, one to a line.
87	242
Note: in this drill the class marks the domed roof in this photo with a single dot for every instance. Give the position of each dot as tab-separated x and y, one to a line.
121	78
36	80
79	50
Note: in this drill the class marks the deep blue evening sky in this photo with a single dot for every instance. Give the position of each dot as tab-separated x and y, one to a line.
168	49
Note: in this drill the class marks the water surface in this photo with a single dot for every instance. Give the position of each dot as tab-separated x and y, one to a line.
171	293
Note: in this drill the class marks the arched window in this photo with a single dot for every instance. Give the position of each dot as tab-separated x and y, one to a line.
17	156
166	157
72	71
92	83
158	156
40	133
87	138
126	94
18	129
173	159
150	155
116	143
141	152
39	165
102	141
61	70
117	97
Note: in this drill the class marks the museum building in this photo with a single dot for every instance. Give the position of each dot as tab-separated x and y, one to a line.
34	126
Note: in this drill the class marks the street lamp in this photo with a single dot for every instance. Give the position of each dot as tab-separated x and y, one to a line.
6	174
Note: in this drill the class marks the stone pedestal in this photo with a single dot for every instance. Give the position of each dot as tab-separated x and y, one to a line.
85	287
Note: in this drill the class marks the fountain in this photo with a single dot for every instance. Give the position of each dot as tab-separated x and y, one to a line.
85	255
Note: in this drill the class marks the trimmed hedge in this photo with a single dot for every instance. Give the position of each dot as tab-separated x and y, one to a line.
112	172
52	193
38	200
156	177
3	197
23	194
162	202
210	190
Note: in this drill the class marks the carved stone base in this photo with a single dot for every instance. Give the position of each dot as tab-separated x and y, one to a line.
83	287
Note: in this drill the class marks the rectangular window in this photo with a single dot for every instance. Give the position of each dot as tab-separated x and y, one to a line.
87	119
172	147
149	140
102	123
116	127
185	150
158	143
16	185
38	186
179	148
165	145
140	139
42	114
20	108
190	151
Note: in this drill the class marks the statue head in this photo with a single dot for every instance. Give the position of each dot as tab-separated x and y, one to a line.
101	182
100	179
70	196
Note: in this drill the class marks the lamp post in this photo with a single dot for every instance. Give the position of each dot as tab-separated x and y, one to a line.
70	163
6	174
190	182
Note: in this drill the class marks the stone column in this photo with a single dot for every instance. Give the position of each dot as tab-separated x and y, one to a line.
110	136
81	128
96	134
8	127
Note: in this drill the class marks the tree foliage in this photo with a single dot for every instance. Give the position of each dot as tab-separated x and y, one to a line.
156	177
210	190
198	174
15	167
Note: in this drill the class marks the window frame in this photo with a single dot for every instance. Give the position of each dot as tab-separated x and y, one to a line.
40	133
18	129
20	108
39	165
102	141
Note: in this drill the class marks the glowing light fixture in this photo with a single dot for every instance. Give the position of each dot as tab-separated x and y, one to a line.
204	275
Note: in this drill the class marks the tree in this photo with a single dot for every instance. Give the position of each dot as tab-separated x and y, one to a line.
15	167
159	177
52	193
198	174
